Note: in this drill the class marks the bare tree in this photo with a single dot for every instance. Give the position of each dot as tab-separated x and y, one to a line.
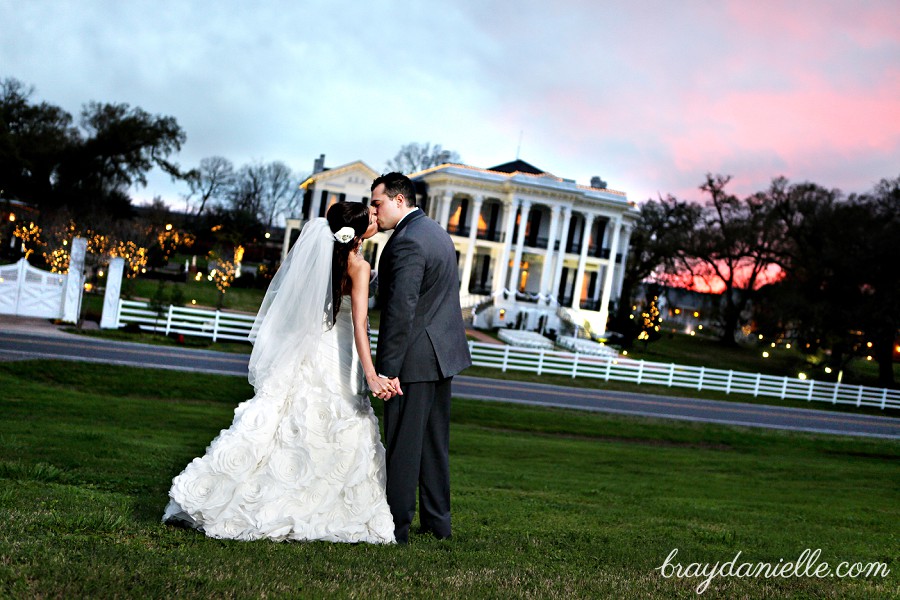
733	244
209	183
281	192
246	191
414	157
267	191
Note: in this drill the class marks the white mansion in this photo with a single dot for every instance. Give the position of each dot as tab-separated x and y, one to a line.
534	250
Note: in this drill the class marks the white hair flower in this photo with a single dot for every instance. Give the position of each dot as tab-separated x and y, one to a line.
344	234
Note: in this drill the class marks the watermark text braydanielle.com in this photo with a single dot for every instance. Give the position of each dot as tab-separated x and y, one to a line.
807	565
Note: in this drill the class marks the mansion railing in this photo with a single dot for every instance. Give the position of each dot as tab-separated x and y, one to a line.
458	230
528	297
490	236
590	305
480	290
540	242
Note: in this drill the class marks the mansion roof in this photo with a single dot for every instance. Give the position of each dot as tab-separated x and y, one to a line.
518	166
331	173
516	176
519	173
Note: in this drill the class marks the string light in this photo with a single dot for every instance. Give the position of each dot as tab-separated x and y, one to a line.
30	237
53	244
223	276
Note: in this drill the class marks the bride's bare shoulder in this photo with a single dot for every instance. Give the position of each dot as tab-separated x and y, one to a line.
357	266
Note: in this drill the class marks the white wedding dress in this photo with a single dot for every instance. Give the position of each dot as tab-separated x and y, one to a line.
303	459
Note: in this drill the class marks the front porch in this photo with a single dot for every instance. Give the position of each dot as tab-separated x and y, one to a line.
526	312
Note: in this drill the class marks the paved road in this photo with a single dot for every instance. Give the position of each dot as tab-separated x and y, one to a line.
23	343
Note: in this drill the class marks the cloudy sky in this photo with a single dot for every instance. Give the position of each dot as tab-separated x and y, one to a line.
648	95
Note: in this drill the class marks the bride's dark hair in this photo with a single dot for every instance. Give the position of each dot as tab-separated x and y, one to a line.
344	214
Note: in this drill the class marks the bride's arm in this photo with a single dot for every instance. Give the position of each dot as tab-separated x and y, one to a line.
360	271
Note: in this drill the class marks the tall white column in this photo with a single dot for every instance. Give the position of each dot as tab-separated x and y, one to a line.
547	269
380	239
599	284
608	280
603	269
520	244
585	242
109	319
315	202
434	206
475	213
289	226
620	272
444	215
74	281
511	206
566	217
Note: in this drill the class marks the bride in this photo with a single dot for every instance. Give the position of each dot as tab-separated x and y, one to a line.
303	458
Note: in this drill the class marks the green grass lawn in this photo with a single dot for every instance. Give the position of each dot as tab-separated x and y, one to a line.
203	292
547	503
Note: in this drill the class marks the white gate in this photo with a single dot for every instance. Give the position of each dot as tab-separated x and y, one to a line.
29	292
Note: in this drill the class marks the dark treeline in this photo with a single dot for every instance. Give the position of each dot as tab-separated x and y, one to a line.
76	175
52	162
837	289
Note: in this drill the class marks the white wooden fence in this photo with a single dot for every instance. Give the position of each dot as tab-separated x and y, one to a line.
508	358
199	322
231	326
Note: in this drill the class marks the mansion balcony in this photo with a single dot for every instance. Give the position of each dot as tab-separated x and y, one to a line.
483	234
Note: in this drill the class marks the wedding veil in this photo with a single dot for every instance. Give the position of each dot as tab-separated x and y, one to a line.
296	309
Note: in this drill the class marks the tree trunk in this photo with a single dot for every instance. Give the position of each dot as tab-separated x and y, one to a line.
884	355
729	325
730	316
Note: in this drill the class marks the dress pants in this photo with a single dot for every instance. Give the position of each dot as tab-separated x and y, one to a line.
417	434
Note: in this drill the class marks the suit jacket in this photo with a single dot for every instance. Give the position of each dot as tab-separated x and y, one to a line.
422	336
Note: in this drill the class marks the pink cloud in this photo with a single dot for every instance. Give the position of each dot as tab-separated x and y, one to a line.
793	122
867	23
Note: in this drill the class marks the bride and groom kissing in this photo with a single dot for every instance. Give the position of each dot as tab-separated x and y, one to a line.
303	458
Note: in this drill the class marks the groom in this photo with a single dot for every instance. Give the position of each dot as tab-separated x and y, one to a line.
421	346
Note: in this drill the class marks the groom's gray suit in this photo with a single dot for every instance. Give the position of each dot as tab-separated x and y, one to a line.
422	340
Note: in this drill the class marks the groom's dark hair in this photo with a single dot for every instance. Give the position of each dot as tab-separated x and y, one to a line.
397	183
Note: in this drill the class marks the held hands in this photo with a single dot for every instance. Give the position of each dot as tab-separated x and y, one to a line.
383	387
